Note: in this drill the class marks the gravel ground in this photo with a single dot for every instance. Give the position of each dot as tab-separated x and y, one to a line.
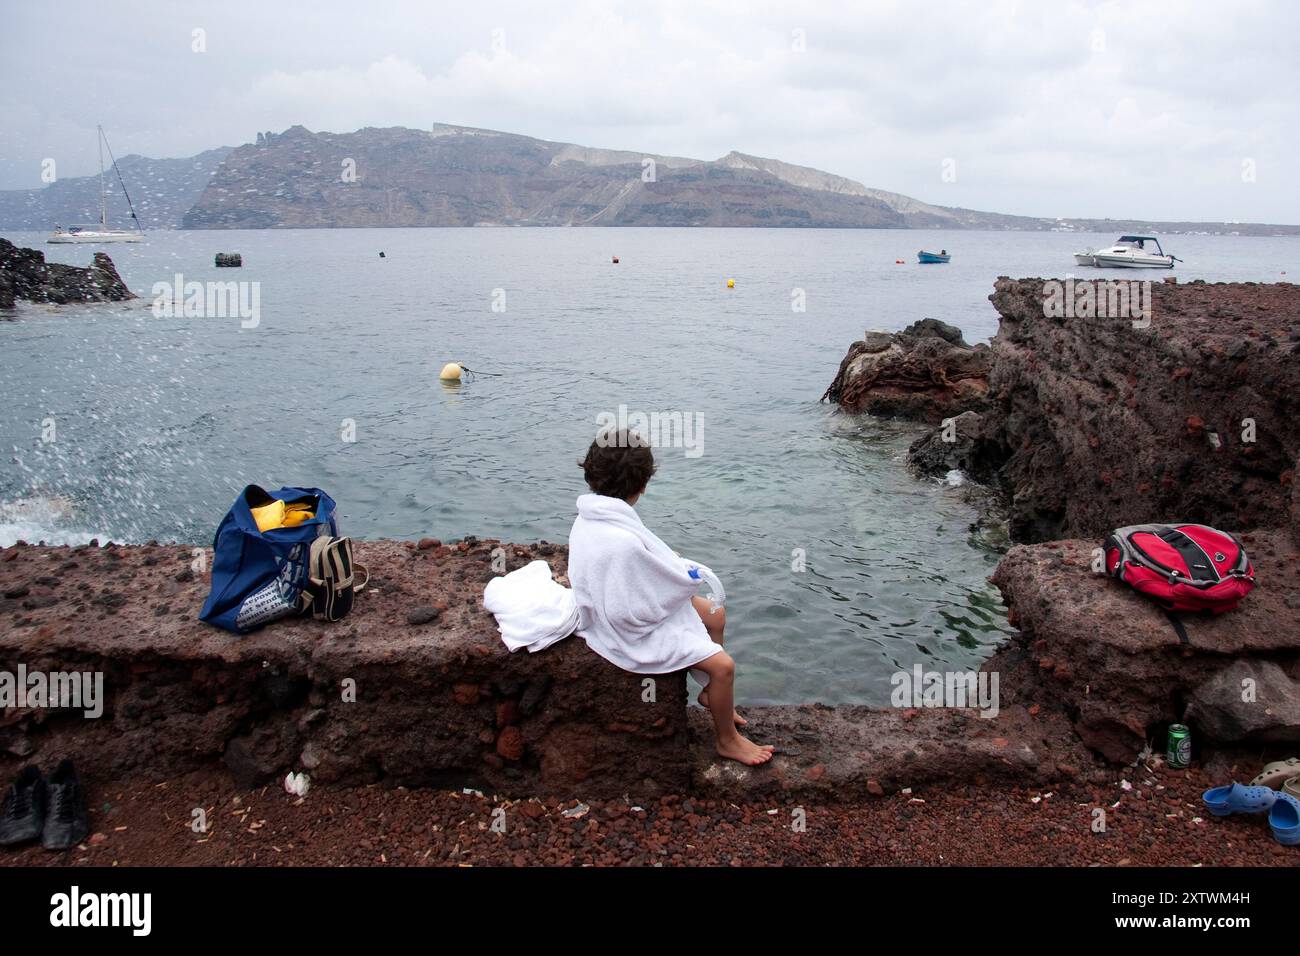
1158	822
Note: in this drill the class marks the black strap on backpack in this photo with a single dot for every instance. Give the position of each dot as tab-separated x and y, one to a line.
1179	628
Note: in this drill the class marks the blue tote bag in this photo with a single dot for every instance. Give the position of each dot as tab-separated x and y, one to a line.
258	576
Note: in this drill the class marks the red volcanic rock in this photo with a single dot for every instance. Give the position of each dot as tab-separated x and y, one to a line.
1290	482
926	372
181	695
507	713
1087	424
510	744
363	701
1123	674
1175	405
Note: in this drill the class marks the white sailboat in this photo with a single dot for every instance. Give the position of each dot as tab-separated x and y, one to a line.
99	232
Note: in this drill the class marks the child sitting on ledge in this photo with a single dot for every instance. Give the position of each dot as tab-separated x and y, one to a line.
636	602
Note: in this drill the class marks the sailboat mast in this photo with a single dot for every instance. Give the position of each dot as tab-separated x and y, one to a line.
120	181
103	203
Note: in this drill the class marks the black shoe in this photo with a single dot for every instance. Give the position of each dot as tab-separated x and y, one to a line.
23	814
66	822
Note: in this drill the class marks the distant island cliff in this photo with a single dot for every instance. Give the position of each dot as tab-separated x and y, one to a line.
461	176
456	176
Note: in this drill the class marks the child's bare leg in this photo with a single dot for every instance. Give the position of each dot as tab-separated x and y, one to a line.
715	622
722	679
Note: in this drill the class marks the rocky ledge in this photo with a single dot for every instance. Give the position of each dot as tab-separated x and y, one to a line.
1121	671
24	274
416	688
1088	424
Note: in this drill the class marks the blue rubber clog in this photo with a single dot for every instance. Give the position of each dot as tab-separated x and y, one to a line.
1235	798
1284	819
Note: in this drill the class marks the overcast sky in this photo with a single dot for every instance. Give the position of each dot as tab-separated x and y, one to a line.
1138	109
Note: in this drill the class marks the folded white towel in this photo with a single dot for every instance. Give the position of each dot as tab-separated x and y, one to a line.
531	608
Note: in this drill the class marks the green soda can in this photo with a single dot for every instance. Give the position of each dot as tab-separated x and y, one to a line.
1178	754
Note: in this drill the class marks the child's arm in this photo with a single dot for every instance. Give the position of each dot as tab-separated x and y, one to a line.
641	590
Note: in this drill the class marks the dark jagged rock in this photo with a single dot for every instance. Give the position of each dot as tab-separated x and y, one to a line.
24	274
926	372
933	328
965	443
1100	423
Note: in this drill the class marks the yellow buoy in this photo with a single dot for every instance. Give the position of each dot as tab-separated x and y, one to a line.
450	372
731	283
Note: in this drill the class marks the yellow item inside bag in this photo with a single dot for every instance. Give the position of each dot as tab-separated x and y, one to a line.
277	514
296	514
269	516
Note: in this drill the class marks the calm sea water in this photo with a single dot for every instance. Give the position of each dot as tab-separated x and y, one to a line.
159	422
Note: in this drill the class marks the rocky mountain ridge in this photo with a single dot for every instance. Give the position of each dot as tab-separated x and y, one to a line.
462	176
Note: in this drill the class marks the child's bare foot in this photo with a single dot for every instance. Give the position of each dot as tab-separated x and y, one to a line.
745	751
735	714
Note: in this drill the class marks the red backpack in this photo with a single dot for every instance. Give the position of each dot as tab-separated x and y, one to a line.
1184	567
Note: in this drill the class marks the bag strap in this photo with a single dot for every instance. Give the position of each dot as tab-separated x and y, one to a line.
1179	628
362	570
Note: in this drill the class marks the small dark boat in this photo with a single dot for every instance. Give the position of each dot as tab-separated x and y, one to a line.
930	258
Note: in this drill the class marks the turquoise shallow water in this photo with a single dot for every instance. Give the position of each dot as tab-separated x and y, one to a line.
159	422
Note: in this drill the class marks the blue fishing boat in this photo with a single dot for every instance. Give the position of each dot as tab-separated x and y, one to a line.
929	258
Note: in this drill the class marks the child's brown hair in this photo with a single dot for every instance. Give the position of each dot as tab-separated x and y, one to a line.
619	464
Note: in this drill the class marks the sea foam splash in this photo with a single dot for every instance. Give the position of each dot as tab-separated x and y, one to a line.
37	519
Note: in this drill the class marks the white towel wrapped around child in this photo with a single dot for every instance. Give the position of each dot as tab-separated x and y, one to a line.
531	608
633	593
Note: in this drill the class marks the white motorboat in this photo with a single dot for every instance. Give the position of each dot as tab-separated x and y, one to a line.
1086	258
100	232
1130	252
